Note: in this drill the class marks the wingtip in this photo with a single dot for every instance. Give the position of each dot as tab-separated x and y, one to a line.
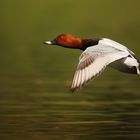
73	89
138	73
138	70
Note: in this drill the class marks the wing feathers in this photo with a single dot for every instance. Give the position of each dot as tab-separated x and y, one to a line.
94	60
90	67
85	63
86	71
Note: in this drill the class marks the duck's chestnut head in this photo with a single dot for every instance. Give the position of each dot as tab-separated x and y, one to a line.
66	40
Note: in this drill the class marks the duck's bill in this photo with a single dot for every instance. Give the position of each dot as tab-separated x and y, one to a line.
49	42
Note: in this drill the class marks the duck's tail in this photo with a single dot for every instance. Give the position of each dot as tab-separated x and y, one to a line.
138	64
138	69
130	65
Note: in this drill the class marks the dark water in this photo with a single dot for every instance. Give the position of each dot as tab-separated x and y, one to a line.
34	109
35	103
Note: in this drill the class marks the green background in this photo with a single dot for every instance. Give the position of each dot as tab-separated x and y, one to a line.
35	100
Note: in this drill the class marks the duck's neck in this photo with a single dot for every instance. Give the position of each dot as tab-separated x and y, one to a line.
88	43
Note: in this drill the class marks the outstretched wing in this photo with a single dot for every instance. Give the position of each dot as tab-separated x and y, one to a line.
92	62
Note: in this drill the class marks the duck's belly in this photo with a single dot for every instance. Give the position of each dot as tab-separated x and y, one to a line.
127	65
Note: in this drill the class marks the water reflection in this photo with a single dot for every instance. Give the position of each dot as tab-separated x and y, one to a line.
104	114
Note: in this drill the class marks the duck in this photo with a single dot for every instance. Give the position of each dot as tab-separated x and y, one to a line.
98	53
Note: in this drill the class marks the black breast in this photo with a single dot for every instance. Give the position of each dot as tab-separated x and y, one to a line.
88	43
